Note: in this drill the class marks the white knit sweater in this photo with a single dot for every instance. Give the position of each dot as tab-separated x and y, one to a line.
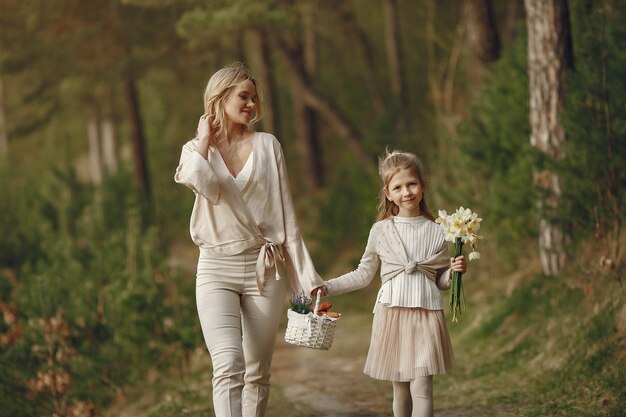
413	290
399	242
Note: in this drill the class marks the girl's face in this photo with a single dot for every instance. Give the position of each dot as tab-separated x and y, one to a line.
239	107
406	191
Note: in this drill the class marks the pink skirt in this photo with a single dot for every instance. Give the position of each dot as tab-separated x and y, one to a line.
408	343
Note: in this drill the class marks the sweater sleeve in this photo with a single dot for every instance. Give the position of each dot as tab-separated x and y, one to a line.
360	277
443	278
196	173
302	273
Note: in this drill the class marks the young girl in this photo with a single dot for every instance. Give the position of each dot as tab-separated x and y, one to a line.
410	342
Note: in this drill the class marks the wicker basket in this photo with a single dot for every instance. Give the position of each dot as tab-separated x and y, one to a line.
310	330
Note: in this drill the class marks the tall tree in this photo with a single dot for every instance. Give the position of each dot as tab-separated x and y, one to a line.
514	15
395	60
4	139
364	51
549	57
258	51
306	115
142	175
480	30
96	167
110	152
329	110
481	37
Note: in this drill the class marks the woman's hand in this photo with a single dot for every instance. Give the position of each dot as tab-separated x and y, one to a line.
203	134
203	128
458	264
323	289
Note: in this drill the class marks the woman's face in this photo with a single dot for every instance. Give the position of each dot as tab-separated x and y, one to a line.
240	106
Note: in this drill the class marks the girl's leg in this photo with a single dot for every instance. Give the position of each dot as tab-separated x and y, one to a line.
422	395
402	403
260	317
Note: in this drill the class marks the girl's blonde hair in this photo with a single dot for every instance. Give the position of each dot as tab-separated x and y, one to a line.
390	164
219	88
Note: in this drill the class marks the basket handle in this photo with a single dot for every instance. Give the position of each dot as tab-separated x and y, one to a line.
317	303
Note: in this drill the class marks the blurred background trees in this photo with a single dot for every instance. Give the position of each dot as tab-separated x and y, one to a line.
97	98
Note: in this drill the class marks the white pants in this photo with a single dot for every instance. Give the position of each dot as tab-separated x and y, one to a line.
239	326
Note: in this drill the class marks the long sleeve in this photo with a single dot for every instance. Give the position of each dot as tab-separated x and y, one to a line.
444	277
360	277
300	266
196	173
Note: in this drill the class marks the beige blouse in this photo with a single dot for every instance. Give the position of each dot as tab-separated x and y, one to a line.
261	216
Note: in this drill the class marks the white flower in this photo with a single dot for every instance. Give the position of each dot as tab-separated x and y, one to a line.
462	223
461	226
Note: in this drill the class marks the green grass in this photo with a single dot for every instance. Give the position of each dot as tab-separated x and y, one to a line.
546	349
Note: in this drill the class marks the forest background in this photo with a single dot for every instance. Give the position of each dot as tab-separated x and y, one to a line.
517	110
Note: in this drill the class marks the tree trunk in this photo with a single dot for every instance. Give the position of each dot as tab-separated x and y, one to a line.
480	30
142	177
514	14
549	56
363	49
4	139
109	145
263	69
432	73
311	128
481	38
396	62
441	75
328	110
305	123
95	158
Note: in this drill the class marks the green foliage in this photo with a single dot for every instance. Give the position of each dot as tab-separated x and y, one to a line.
348	211
300	303
595	152
552	350
496	141
95	302
84	261
231	18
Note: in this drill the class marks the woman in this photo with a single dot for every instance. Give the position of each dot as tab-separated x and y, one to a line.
244	223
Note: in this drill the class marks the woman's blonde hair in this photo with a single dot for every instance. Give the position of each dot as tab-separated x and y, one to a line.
390	164
219	88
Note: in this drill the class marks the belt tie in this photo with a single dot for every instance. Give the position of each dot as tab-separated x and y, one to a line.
270	255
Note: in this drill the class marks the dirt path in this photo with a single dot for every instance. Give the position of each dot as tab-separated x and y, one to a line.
310	383
331	383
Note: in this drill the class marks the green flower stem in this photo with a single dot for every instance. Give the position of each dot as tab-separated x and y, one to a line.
456	290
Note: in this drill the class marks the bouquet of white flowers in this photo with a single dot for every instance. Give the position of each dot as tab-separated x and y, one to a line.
460	227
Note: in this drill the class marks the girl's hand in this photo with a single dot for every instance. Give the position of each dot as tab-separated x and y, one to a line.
458	264
323	289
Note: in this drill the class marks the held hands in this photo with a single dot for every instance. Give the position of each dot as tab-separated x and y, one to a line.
457	264
323	289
